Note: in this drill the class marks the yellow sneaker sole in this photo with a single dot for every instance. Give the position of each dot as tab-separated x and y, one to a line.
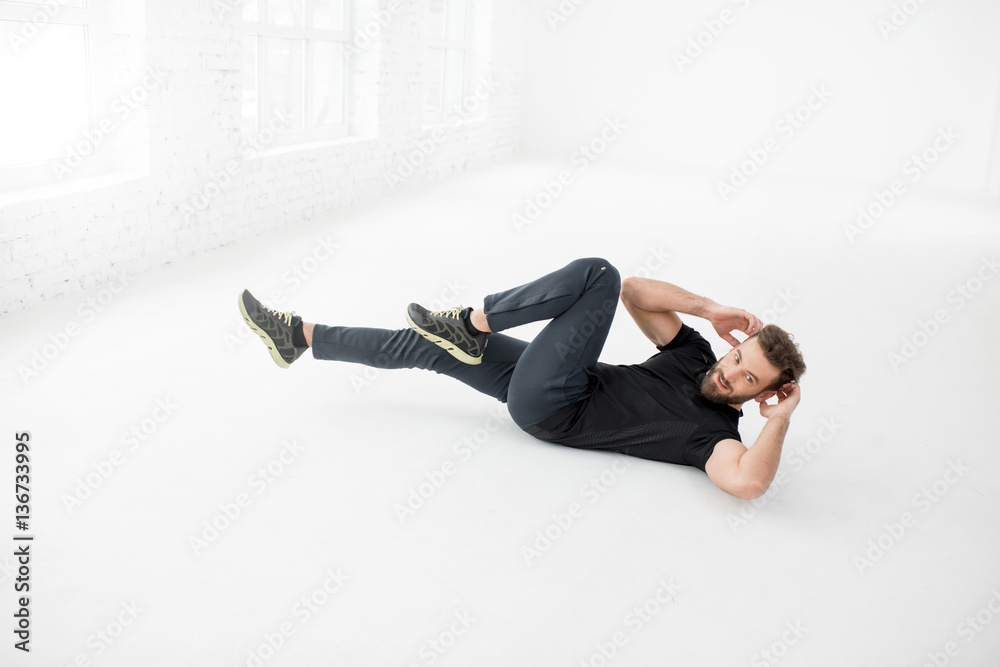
263	336
464	357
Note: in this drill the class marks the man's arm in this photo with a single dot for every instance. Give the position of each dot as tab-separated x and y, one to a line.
654	305
746	473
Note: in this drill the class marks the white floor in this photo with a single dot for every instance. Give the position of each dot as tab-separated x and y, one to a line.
843	563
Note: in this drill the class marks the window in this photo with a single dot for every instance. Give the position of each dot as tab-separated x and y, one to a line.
445	57
294	69
45	76
76	91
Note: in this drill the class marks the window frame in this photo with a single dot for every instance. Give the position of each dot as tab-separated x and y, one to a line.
438	116
42	173
260	31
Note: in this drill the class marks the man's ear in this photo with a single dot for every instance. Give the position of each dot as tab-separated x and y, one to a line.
764	395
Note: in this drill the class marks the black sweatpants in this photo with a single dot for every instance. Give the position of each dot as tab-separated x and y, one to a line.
534	379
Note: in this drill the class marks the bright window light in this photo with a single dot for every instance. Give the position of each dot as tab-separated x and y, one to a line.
445	57
295	69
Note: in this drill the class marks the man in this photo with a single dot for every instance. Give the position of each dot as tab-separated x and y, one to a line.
679	406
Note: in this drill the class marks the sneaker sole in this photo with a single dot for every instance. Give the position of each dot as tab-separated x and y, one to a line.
448	346
263	336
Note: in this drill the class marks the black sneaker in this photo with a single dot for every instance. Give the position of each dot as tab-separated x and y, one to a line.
274	328
447	329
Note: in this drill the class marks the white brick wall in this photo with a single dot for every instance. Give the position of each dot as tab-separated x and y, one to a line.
79	234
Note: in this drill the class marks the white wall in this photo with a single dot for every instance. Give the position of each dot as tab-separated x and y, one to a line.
81	233
892	89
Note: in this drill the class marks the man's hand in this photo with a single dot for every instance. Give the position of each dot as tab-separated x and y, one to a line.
726	320
788	397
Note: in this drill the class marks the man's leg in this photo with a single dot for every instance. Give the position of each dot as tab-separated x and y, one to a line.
287	338
405	348
556	369
536	379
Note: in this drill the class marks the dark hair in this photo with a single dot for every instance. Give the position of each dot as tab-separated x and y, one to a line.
781	350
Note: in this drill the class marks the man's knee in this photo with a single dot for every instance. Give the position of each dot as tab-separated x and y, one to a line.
608	278
601	270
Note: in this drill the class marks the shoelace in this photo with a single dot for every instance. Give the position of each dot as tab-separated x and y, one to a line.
287	317
452	313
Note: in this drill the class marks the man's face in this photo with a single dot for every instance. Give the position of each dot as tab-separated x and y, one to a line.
739	376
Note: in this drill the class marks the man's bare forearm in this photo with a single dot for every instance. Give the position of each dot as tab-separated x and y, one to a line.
657	296
760	463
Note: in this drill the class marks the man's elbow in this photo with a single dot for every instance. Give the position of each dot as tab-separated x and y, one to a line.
750	489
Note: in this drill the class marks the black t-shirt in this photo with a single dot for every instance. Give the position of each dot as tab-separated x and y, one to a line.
653	410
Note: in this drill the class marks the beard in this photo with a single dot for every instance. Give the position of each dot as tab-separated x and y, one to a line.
710	389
